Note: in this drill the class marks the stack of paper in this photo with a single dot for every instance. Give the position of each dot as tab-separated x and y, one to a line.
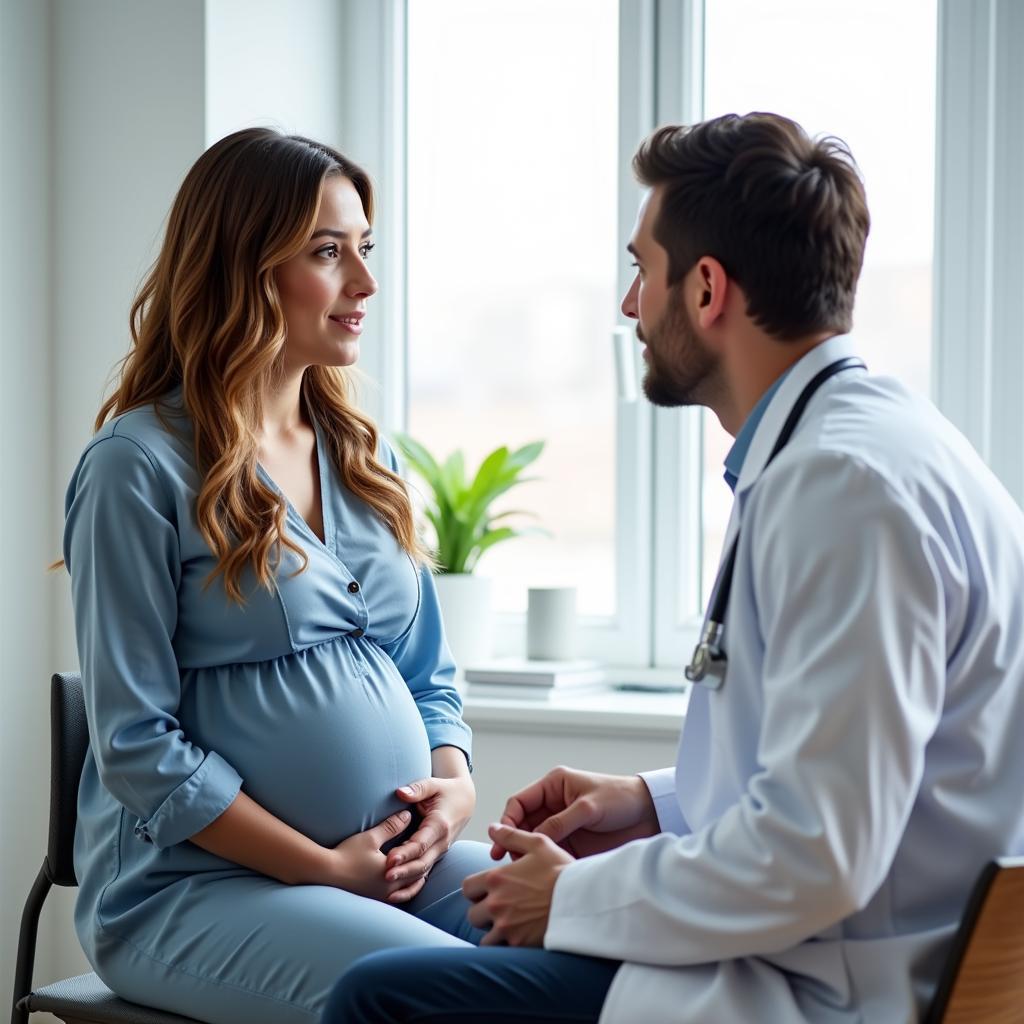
524	679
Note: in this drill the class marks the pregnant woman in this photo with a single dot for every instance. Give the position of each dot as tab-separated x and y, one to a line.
278	764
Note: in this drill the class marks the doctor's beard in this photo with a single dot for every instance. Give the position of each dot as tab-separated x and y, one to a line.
680	370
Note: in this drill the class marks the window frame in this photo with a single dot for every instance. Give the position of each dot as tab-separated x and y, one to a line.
677	508
376	35
977	363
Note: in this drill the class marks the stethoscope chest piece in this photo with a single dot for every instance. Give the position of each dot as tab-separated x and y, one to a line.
709	663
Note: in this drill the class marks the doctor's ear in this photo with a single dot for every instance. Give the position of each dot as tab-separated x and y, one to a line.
711	284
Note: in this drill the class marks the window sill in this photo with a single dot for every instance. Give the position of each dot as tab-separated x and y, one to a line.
599	712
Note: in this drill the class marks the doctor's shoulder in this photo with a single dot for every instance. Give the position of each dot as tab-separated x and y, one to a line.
888	463
838	490
870	430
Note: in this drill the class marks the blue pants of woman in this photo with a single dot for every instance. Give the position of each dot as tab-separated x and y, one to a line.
490	985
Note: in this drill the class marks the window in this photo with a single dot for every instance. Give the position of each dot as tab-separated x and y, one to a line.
519	202
782	57
512	183
520	119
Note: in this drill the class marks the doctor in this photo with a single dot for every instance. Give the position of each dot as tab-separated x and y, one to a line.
852	752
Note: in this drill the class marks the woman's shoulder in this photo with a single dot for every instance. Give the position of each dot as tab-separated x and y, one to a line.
159	434
386	455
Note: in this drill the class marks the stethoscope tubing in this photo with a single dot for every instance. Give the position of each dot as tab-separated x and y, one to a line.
709	657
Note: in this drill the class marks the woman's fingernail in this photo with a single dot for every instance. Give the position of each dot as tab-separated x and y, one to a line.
407	790
404	815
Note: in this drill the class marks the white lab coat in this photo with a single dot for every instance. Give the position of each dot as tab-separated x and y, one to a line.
834	801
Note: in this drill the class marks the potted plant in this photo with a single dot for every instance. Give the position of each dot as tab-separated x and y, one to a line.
464	525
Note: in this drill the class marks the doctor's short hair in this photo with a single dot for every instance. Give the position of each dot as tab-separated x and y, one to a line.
783	213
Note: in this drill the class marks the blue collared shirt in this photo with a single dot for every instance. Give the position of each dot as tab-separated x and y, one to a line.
338	676
738	451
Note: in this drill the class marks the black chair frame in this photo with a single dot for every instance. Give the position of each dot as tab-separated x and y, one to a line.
85	999
69	742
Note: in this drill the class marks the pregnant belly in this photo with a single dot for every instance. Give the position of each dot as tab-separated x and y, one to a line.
321	738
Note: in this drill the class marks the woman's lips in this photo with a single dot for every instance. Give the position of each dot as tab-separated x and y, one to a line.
352	324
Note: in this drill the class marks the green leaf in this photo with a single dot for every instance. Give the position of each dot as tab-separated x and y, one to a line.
488	540
453	477
459	512
461	538
492	537
525	455
435	520
419	458
494	484
490	470
514	512
454	543
505	484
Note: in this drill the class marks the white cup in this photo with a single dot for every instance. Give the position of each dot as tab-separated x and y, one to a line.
551	624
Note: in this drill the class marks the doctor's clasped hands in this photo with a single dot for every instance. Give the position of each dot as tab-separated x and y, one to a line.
563	816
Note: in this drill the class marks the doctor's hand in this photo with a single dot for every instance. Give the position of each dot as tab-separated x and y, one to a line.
583	812
514	901
446	805
357	864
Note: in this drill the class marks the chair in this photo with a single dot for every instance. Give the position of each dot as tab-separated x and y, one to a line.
983	977
83	999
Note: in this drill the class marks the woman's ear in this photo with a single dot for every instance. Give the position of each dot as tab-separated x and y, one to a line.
711	284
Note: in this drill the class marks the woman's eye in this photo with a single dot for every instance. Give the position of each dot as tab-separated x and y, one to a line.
366	248
328	250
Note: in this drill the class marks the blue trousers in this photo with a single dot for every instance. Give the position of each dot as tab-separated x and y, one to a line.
490	985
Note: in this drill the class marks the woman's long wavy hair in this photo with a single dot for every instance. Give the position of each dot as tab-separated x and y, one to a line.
208	318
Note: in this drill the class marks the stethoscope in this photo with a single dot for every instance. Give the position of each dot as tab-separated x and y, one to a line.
709	663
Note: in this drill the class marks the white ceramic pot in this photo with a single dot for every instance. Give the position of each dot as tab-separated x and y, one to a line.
466	607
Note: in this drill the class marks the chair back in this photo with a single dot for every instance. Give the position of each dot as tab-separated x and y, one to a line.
983	979
69	742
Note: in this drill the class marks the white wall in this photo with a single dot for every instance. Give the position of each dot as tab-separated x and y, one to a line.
269	63
128	94
105	106
128	121
26	303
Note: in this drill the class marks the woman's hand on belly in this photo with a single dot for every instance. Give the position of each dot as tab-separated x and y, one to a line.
446	804
357	864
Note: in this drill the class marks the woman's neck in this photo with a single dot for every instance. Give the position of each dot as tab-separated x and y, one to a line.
284	412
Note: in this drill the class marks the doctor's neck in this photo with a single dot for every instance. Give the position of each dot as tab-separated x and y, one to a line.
751	362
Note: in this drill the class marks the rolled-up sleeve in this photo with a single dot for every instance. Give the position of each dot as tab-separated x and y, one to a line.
121	550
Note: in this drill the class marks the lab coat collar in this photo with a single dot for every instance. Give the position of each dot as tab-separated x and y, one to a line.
782	401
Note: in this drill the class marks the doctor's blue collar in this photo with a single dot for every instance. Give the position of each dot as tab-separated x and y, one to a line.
738	452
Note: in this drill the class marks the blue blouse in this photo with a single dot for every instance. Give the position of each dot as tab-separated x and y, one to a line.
319	697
